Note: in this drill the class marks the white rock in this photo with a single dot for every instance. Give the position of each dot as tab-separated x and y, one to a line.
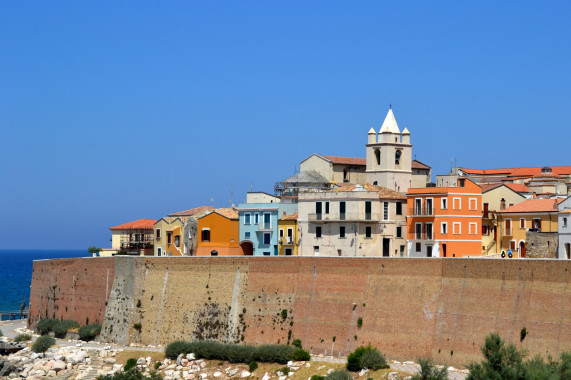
363	372
171	366
190	356
78	345
217	374
140	361
59	365
289	363
330	371
321	367
451	368
109	361
282	378
279	373
293	368
51	373
393	375
203	375
266	376
245	374
202	365
408	363
40	372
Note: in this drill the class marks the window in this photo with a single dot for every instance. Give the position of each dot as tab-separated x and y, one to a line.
564	222
399	231
342	210
456	203
508	227
288	251
267	238
418	247
402	251
205	234
318	231
267	222
485	230
472	228
418	206
316	250
342	232
444	203
537	224
398	209
247	218
428	228
281	232
368	210
428	210
169	237
158	234
159	251
256	218
266	253
462	182
418	231
444	228
385	210
318	210
378	156
473	204
456	228
486	207
327	207
290	235
247	235
177	241
397	157
368	232
522	223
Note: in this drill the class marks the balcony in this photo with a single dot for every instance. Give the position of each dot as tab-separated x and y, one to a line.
286	240
265	227
345	217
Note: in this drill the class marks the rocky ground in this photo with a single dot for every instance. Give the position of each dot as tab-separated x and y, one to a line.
78	360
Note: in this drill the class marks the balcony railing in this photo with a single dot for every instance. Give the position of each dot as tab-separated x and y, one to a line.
265	227
423	236
286	240
354	217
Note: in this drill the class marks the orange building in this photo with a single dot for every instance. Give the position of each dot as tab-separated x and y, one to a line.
445	221
218	233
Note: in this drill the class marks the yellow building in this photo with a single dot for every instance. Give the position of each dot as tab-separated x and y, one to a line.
288	235
495	197
168	237
531	215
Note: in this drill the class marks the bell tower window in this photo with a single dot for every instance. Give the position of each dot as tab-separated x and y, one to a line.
397	157
378	156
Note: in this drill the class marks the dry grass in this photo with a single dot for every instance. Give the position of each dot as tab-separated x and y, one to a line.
125	355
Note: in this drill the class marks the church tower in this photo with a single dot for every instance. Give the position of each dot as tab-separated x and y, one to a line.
389	156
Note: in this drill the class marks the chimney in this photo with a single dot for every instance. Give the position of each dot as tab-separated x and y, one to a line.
502	204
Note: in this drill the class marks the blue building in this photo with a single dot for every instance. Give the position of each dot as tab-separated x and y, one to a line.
259	223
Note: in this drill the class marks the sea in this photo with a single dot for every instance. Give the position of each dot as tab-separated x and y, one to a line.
16	272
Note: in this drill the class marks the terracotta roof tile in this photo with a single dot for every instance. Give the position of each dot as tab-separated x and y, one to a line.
568	211
230	213
415	164
384	192
534	205
140	224
518	187
520	172
347	160
192	211
293	216
489	186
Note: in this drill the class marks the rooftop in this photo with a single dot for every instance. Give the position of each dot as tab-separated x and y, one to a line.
415	164
534	205
192	211
347	160
140	224
293	216
519	172
230	213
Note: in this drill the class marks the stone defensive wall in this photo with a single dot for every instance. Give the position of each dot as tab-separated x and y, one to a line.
408	308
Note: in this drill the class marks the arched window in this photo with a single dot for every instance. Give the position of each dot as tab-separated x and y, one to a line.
378	156
397	157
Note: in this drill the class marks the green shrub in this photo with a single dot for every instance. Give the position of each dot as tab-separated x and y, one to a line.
157	365
233	353
317	377
61	328
301	355
284	313
373	360
339	374
296	343
501	361
43	343
428	371
132	374
46	325
131	363
22	338
252	366
138	327
89	332
359	322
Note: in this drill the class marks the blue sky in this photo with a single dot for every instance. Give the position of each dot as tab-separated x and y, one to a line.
115	111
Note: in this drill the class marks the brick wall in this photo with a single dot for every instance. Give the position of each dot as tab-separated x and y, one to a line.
410	308
541	245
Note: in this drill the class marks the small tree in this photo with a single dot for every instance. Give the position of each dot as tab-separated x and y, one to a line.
339	374
94	251
43	343
428	371
501	361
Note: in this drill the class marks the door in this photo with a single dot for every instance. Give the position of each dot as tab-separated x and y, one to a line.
443	250
521	249
428	251
386	247
568	250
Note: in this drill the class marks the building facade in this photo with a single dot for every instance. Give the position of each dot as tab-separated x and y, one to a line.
219	233
133	238
288	235
353	220
445	221
564	229
522	221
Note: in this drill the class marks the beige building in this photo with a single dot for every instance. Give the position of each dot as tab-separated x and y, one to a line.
336	169
353	220
133	238
495	197
421	174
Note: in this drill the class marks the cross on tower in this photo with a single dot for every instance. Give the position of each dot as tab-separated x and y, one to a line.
390	106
